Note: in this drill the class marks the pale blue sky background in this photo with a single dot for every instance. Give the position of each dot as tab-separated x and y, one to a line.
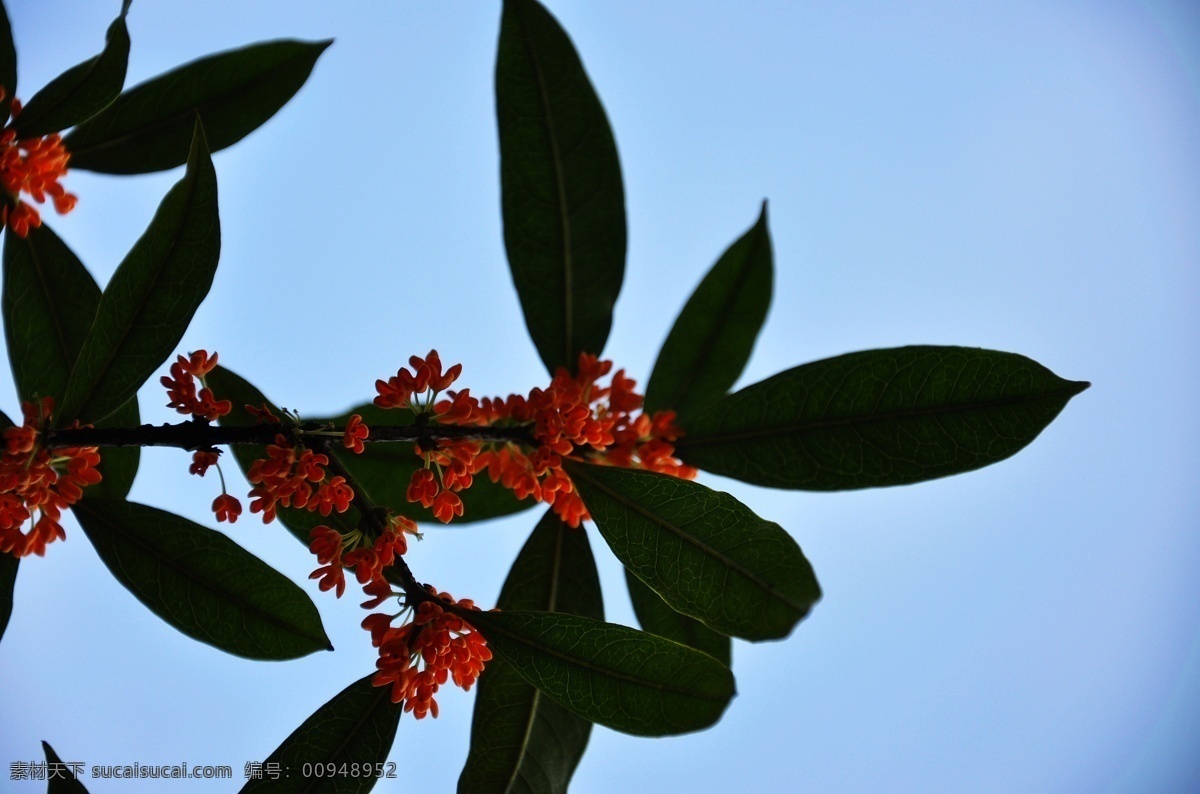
1023	176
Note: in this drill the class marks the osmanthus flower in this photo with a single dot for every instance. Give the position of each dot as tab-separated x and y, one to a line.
357	551
37	484
416	658
294	476
575	416
31	167
227	508
355	434
202	459
182	392
427	375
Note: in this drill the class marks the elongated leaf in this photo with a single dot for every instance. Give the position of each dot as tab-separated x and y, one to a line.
61	777
8	581
520	739
8	66
616	676
710	343
149	126
49	304
703	551
152	296
228	385
355	729
384	472
658	618
562	197
878	417
201	582
80	92
8	564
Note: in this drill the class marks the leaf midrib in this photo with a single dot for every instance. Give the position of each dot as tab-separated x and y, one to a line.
93	65
189	193
551	602
802	426
135	132
594	668
704	548
560	184
137	542
382	695
706	348
60	332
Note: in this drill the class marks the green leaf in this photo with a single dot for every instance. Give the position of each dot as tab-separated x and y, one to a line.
49	304
703	551
877	417
711	340
61	778
80	92
562	197
228	385
385	470
149	126
201	582
152	296
8	66
8	563
520	739
354	729
8	581
616	676
657	618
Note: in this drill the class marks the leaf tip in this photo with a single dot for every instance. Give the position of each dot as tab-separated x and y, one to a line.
1078	386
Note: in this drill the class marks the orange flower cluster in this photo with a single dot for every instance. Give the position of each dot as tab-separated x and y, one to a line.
573	417
34	479
32	166
287	477
181	387
367	558
418	657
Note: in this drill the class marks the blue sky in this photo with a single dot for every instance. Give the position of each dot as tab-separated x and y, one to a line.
1023	176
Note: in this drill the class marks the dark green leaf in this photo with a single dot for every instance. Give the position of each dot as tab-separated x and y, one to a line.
8	563
619	677
711	340
520	739
703	551
152	296
201	582
61	778
148	127
8	581
80	92
354	729
561	193
227	385
384	472
49	304
878	417
8	66
658	618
